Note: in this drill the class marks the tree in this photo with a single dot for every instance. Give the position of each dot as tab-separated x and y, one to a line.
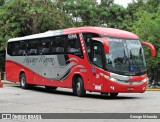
90	13
2	2
130	16
25	17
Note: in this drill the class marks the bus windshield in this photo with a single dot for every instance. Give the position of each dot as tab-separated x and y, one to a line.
126	57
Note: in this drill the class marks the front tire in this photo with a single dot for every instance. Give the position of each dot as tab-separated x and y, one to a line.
78	88
23	83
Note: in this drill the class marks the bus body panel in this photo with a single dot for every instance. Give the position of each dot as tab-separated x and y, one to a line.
102	31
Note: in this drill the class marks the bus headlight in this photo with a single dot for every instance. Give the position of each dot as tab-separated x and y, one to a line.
113	79
145	80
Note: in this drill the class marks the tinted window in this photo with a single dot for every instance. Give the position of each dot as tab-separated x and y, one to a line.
57	45
22	49
73	45
44	46
13	48
32	47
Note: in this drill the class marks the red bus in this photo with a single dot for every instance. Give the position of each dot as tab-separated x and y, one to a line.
94	59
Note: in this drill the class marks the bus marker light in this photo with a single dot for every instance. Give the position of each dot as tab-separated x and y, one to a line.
105	76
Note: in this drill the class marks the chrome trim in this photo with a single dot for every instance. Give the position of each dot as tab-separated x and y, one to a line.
119	77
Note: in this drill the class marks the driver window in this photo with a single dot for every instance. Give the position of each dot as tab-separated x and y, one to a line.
97	54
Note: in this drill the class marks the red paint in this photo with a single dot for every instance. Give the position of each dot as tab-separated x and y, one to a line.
1	85
152	48
138	78
102	31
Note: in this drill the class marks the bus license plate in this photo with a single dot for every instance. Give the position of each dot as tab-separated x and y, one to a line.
130	89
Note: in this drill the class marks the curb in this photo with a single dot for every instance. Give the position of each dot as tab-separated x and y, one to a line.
8	82
153	89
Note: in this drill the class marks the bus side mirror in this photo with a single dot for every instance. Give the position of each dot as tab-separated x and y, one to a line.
152	48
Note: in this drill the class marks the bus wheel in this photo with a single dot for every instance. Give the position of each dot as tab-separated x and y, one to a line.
79	87
23	83
113	94
50	87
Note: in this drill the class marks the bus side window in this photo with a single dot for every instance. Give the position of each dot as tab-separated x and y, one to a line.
32	48
13	48
73	45
44	46
57	45
22	49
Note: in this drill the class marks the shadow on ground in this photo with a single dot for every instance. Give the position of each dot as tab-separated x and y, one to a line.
69	93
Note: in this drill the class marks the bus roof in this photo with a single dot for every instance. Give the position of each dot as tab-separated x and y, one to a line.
111	32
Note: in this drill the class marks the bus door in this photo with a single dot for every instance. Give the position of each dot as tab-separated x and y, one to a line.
97	67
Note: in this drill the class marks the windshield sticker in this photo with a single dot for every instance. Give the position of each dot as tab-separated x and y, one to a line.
72	36
115	40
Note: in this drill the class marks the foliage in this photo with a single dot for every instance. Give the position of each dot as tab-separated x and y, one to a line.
90	13
25	17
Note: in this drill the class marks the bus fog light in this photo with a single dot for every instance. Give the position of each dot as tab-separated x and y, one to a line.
112	87
145	80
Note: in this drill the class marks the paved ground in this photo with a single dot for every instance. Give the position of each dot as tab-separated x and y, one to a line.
13	99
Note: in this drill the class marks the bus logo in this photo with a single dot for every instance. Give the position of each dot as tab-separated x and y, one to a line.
72	36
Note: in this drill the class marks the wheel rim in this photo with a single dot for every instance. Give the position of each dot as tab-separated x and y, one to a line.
78	87
23	81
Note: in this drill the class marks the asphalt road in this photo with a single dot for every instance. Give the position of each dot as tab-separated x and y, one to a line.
13	99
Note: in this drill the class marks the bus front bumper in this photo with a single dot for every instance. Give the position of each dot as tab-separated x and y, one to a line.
122	87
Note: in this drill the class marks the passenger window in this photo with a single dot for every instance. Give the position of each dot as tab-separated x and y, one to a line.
44	46
22	49
97	54
73	45
32	47
13	48
57	45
